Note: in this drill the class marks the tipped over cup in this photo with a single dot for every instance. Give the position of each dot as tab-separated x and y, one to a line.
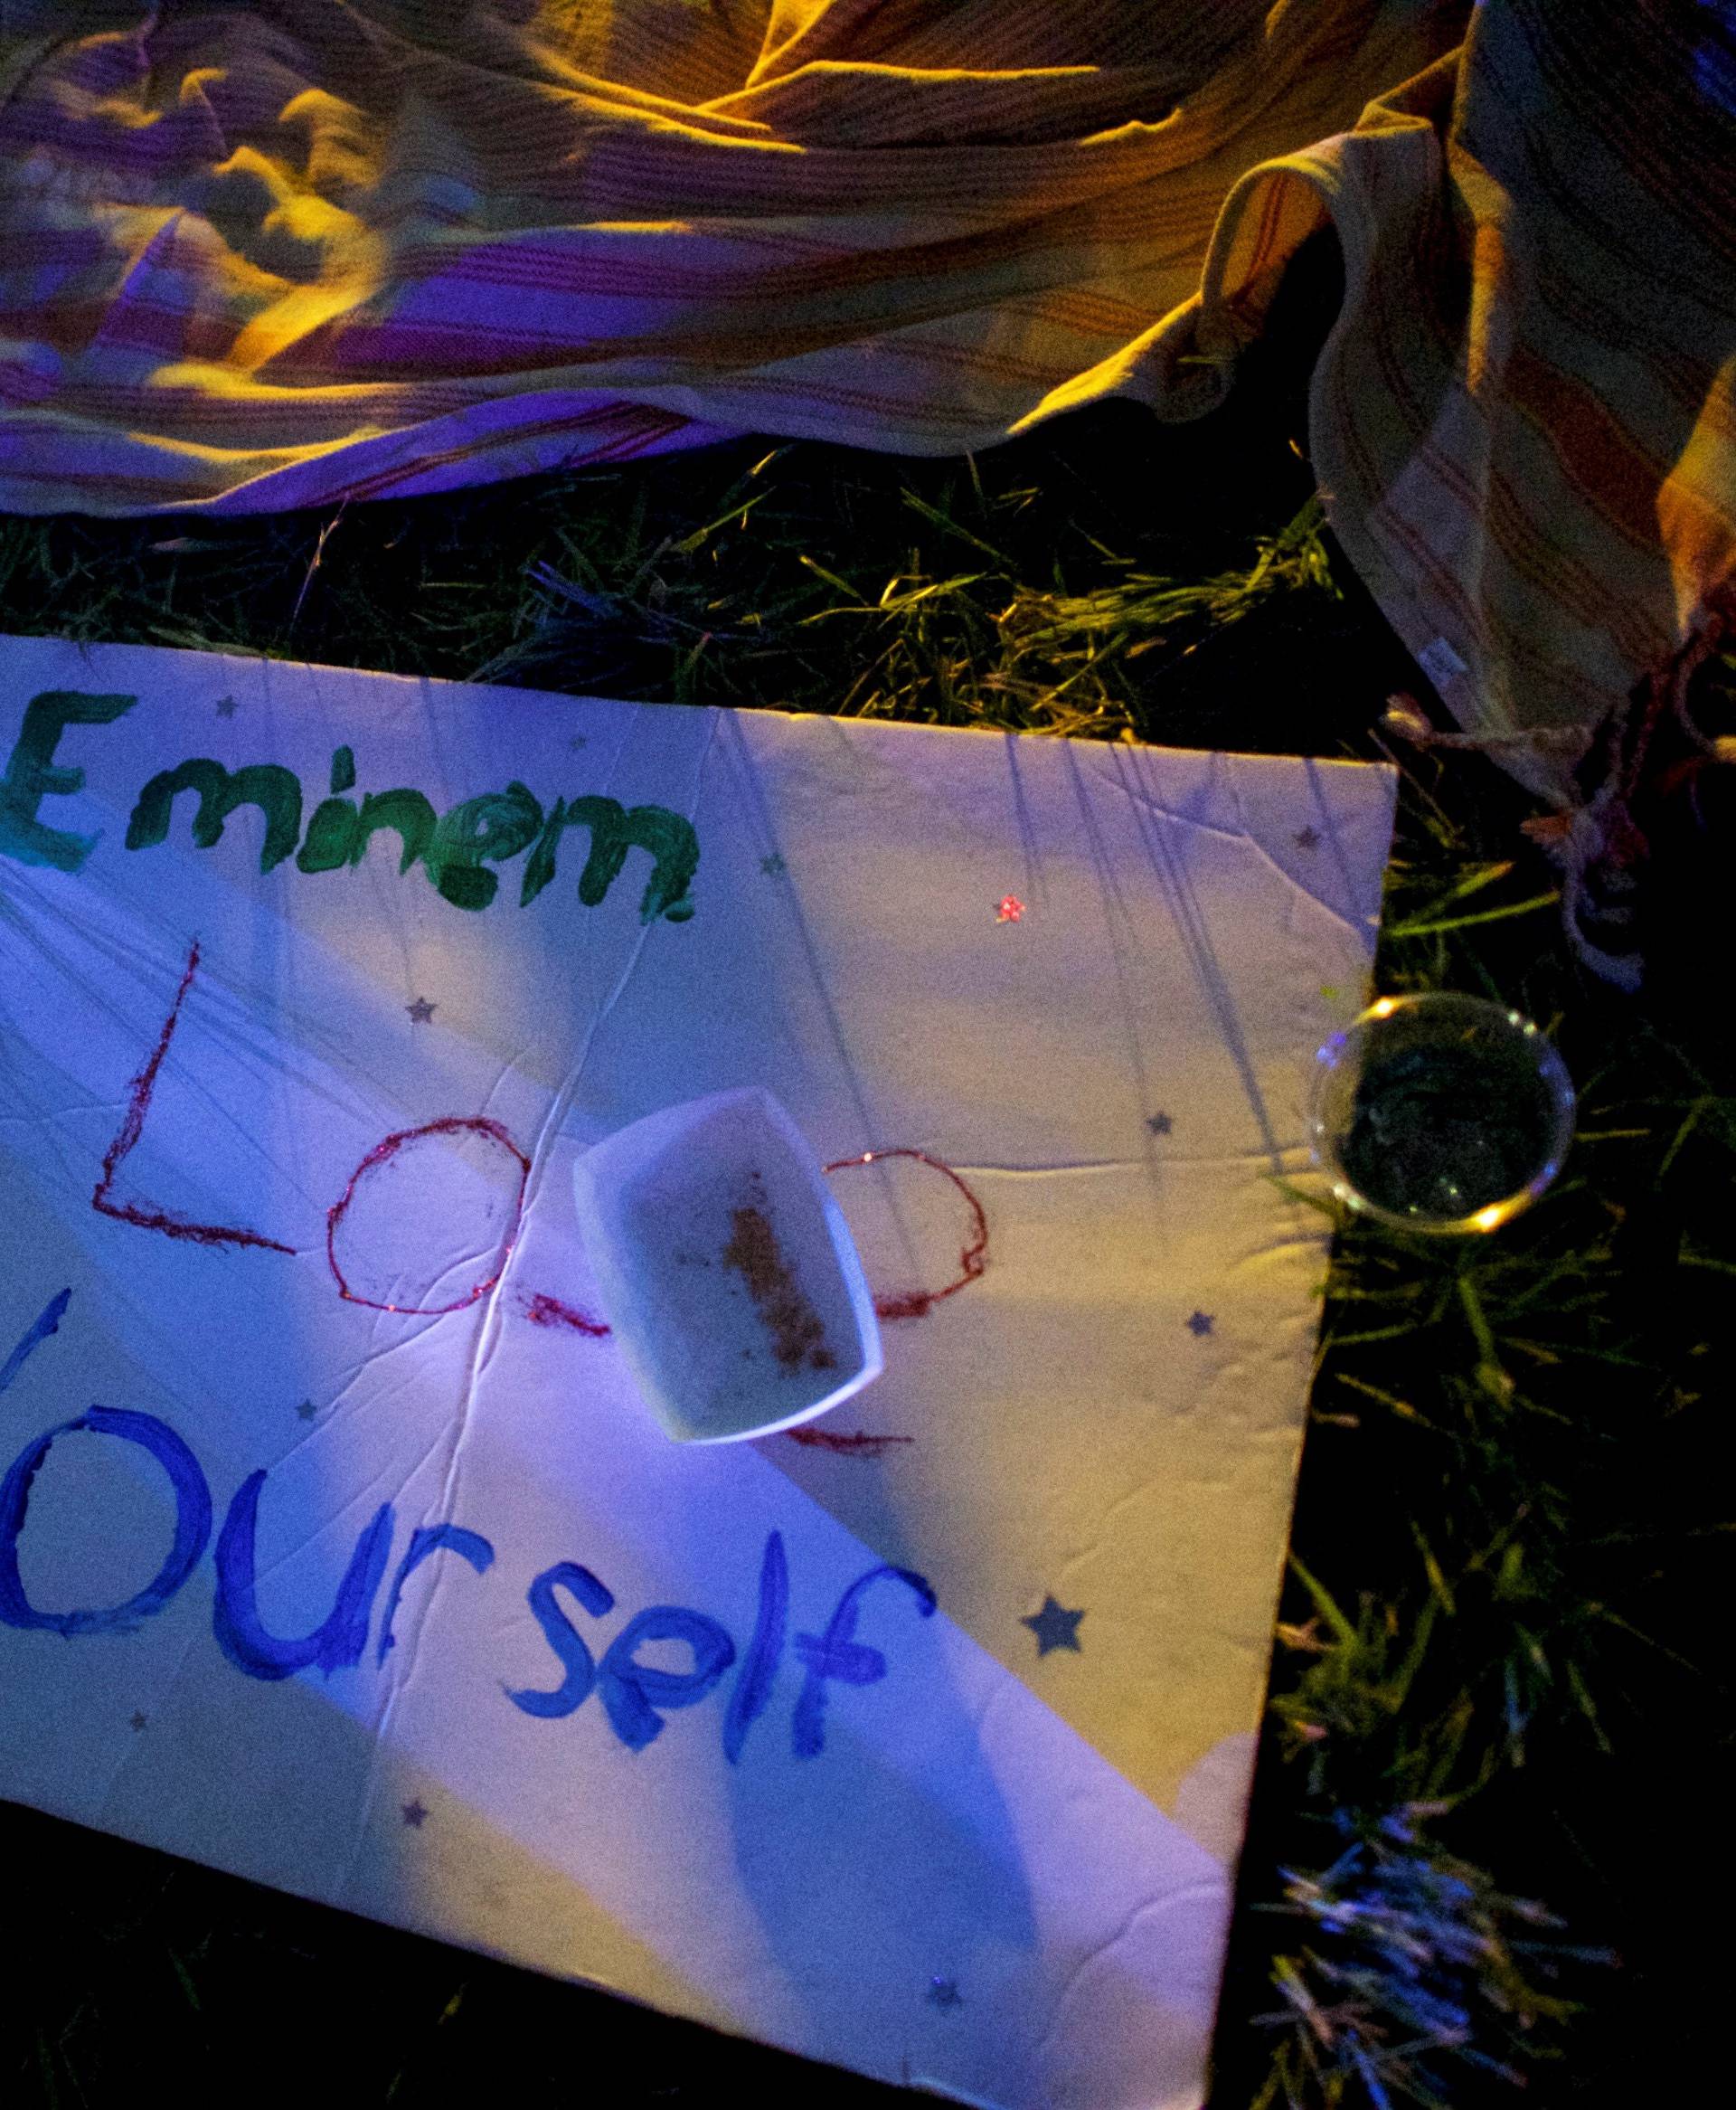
725	1269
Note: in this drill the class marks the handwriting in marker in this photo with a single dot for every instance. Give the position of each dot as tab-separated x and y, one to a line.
859	1444
412	1150
636	1685
138	1104
972	1259
541	1310
47	1321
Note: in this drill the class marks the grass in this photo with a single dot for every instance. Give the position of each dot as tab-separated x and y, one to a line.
1500	1696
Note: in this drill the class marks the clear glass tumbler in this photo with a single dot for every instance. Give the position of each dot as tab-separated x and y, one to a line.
1441	1112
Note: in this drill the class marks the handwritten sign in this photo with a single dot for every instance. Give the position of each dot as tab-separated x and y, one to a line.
454	850
336	1547
635	1696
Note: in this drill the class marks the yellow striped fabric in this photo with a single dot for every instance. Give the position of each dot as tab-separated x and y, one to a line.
277	254
255	256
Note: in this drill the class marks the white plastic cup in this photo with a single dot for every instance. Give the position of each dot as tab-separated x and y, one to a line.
726	1270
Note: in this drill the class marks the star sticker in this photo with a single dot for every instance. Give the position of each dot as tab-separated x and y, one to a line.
1159	1124
774	866
1055	1628
943	1993
414	1815
577	742
421	1011
1010	909
1199	1325
307	1410
226	709
139	1721
1307	839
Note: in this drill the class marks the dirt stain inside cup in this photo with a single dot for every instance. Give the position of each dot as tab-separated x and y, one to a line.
797	1329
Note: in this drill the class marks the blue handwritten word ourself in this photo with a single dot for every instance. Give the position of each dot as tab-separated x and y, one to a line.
635	1696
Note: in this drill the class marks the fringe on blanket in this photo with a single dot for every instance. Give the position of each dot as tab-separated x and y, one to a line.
1604	846
1602	842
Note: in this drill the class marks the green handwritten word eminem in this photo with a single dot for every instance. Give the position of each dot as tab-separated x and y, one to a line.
455	849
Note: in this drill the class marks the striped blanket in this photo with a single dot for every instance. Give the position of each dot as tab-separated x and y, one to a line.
256	256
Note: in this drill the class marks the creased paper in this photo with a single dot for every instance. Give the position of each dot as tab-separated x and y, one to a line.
335	1548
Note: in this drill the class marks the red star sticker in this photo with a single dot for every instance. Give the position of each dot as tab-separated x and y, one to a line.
1011	909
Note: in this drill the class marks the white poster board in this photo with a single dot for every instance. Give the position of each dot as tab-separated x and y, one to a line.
336	1548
